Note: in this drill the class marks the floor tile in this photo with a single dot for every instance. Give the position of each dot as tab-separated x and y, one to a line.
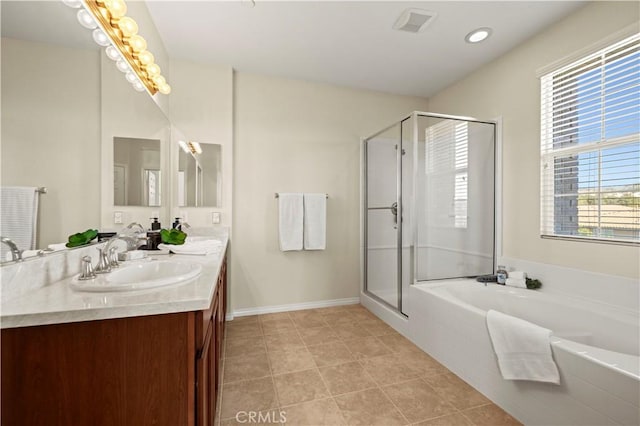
456	391
417	401
363	315
378	329
310	321
343	378
283	341
314	413
490	415
244	345
330	354
235	331
250	319
301	386
455	419
366	347
337	318
317	335
248	395
388	369
246	366
398	343
277	326
273	316
290	360
370	407
350	331
420	361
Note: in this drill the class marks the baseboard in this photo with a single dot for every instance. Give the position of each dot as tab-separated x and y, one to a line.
291	307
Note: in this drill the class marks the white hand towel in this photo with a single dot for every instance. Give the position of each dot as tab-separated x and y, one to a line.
19	215
201	248
523	349
57	246
315	221
516	282
518	274
290	221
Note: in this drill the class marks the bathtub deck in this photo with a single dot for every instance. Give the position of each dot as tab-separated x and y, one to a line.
341	365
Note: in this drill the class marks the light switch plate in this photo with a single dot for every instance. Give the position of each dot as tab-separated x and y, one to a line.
117	217
215	217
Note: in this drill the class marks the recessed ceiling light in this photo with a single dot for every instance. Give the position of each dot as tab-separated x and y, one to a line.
476	36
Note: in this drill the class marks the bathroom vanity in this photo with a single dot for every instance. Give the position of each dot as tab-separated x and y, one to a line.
148	357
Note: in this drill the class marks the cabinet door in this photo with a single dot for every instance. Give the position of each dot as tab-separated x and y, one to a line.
205	380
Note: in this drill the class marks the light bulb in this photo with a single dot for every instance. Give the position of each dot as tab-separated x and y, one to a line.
137	43
73	3
86	19
100	37
128	26
184	146
159	80
145	57
117	8
122	65
476	36
165	89
112	53
138	86
153	70
131	77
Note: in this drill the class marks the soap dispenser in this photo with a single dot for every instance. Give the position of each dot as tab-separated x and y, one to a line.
155	225
177	225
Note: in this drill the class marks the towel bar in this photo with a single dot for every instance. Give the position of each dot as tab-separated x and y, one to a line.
41	190
278	195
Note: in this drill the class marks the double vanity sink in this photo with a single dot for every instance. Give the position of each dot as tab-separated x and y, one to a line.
140	275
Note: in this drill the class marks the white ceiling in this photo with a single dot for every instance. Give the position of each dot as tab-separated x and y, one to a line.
350	43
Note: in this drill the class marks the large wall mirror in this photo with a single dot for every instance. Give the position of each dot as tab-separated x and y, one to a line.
199	174
63	103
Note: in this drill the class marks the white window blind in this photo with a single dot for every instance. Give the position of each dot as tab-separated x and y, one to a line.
447	163
590	146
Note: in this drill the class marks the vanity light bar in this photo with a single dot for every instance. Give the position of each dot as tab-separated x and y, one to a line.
119	34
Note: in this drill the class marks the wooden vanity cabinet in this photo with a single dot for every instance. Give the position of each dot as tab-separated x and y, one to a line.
148	370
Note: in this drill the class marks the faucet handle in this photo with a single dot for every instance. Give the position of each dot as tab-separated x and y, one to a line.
113	257
86	269
104	265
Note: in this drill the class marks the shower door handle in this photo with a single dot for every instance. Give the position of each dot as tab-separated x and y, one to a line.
394	212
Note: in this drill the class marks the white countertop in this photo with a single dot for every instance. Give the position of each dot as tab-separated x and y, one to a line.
57	303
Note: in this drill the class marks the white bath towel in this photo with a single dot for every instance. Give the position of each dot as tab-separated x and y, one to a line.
523	349
315	221
200	248
516	282
19	215
290	221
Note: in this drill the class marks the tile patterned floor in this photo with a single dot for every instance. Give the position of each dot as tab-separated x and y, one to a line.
340	366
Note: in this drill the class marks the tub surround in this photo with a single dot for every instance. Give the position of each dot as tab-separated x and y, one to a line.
594	346
37	292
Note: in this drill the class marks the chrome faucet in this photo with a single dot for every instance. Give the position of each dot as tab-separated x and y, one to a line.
16	254
107	256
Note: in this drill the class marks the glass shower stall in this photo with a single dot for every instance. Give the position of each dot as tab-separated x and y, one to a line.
429	203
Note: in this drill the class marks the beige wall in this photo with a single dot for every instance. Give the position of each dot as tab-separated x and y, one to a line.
293	136
201	105
50	132
508	87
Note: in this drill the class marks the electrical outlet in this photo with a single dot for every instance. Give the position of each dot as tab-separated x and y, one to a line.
117	217
215	217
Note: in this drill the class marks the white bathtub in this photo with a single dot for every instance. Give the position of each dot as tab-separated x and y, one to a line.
595	346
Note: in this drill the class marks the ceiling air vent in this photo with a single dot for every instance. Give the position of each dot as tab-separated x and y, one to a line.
414	20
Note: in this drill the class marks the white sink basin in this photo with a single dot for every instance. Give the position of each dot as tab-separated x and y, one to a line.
140	276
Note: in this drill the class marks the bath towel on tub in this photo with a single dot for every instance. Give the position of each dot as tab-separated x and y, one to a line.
523	349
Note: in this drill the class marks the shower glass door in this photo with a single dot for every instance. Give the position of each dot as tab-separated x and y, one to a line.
383	213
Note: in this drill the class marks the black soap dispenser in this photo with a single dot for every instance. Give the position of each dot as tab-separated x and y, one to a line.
177	225
155	225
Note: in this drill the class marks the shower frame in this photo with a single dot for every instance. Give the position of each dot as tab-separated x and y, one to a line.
497	188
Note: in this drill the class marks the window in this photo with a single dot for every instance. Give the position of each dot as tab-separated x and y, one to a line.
447	148
590	146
